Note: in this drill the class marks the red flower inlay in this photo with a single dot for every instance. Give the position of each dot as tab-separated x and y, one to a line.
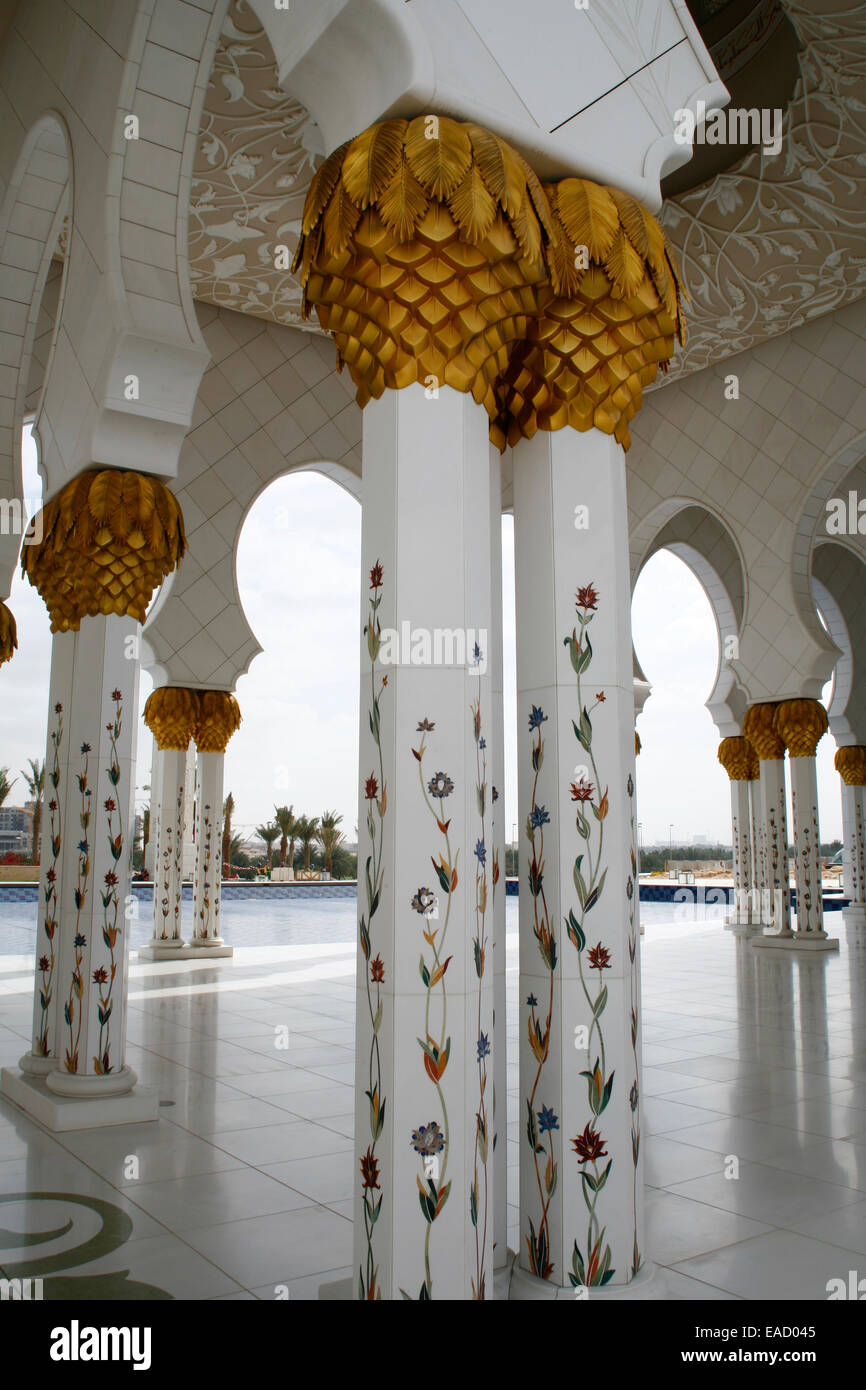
589	1146
369	1169
587	598
599	958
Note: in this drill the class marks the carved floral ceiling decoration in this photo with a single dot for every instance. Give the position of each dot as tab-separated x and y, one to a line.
775	242
764	247
257	151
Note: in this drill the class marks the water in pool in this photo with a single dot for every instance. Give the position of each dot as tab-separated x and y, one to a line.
304	921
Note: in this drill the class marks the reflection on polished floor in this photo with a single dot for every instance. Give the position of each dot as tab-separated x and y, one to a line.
244	1185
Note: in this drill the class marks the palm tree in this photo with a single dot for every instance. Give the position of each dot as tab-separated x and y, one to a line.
235	846
228	809
329	836
35	780
268	833
285	820
5	785
307	830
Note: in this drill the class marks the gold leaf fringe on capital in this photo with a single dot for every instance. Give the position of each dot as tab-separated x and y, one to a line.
850	763
759	727
8	634
802	724
601	333
171	713
109	539
737	758
432	254
219	716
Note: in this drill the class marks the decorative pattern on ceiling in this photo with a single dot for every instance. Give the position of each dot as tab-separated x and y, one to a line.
257	151
764	247
773	243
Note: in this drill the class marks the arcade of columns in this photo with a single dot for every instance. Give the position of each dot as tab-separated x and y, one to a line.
755	764
473	307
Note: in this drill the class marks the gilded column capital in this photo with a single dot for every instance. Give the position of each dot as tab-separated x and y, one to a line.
432	253
109	538
753	762
637	743
759	727
218	718
171	713
850	763
8	634
734	758
802	724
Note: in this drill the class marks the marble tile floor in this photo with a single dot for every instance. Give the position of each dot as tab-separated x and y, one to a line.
755	1064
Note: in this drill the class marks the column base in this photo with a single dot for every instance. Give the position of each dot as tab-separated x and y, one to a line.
85	1111
799	941
193	950
34	1065
208	946
855	916
529	1288
161	950
341	1290
742	928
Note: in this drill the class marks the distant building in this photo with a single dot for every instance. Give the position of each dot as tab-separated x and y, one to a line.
16	829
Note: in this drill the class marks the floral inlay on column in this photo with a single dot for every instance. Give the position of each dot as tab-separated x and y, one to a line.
51	921
432	1141
374	974
104	978
76	986
633	897
206	852
592	1268
544	1121
478	1196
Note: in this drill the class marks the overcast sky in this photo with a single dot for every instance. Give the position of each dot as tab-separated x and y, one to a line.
300	585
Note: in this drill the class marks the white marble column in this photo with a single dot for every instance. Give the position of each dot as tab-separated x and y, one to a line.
167	833
776	896
850	763
189	803
801	723
98	812
759	848
42	1057
207	884
424	1172
150	852
581	1180
171	713
90	1083
759	728
734	755
219	717
496	746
